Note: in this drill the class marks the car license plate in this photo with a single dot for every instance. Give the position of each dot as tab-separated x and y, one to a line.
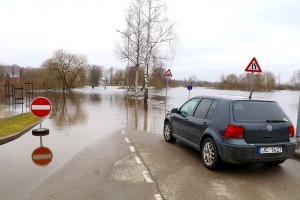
262	150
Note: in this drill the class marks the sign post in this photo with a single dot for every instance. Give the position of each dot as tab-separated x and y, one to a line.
253	66
40	107
167	74
298	122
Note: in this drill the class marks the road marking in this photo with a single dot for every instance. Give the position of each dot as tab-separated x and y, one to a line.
158	197
127	139
132	149
138	160
124	132
147	177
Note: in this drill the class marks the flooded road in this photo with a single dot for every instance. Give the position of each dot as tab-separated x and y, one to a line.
87	115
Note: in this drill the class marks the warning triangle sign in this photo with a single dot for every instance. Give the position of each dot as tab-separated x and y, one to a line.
168	73
253	66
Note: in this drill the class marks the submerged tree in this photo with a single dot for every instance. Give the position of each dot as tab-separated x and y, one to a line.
264	81
149	34
95	73
69	68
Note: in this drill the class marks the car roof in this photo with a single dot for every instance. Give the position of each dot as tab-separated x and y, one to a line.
231	97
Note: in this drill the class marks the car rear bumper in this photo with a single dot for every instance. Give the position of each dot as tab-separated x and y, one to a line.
250	153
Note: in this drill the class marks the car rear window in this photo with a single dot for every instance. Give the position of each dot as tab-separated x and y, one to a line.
258	111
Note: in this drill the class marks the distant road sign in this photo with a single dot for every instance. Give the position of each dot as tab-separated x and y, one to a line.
40	107
189	87
253	66
168	73
42	156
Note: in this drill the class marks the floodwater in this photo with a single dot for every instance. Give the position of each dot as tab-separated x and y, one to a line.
86	115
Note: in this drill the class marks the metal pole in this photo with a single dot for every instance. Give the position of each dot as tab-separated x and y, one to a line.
166	96
298	122
127	63
252	83
128	39
41	141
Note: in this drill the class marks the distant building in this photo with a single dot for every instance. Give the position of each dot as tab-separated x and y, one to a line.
11	73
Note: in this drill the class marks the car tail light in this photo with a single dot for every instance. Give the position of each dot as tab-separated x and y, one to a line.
234	132
291	131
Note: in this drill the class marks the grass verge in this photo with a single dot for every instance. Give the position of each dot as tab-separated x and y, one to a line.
2	106
17	123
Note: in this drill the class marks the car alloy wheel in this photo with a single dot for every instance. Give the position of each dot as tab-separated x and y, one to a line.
210	154
168	133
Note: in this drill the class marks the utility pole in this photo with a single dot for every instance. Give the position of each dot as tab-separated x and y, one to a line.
128	39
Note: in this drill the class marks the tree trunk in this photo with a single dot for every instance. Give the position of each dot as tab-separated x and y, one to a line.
136	82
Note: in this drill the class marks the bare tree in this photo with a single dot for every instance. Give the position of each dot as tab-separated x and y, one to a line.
119	77
295	80
148	32
69	68
265	81
110	73
95	74
160	32
131	49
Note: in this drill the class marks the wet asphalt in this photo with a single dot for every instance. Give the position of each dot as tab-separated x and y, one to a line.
133	164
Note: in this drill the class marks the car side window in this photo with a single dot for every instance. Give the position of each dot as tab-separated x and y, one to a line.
203	108
212	110
188	107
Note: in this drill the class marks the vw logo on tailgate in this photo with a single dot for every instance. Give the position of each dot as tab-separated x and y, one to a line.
269	128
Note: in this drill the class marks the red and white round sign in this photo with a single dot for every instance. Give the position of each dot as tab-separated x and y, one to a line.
40	106
42	156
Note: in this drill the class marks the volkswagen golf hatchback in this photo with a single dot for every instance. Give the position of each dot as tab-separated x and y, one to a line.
232	129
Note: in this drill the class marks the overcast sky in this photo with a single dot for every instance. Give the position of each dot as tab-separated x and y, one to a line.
216	36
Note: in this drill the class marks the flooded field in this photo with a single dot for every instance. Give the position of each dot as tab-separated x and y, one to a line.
86	115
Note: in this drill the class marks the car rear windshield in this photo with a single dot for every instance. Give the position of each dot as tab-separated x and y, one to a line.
258	111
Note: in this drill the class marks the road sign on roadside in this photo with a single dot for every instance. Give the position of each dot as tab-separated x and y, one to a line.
253	66
40	107
189	87
42	156
168	73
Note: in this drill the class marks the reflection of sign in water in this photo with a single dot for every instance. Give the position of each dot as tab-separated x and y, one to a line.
40	107
42	156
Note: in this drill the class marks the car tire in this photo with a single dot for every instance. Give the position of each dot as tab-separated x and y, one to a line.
168	133
210	155
40	132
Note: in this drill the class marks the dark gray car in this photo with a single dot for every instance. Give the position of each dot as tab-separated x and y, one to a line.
232	129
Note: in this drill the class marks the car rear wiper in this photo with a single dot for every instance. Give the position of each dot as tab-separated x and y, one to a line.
275	121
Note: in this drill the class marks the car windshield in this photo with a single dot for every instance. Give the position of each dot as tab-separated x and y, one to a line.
258	111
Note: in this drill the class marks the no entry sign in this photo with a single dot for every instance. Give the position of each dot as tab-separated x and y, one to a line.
42	156
40	107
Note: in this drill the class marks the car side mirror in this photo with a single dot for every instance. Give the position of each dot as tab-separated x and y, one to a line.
174	110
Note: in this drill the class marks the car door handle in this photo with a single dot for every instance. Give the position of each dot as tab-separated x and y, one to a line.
204	124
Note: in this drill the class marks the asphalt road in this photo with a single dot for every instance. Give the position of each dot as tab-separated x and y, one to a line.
133	164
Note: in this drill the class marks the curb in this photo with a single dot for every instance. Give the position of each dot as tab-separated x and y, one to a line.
10	138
